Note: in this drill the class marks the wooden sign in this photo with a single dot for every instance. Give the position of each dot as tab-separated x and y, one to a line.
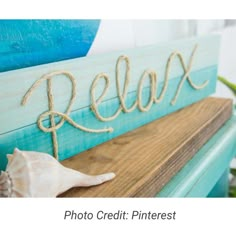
67	107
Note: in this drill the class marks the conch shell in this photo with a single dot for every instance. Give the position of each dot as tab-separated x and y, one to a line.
35	174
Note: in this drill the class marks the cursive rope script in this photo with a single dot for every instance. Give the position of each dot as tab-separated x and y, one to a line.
153	86
51	113
121	94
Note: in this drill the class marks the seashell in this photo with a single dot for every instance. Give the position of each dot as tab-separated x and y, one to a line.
35	174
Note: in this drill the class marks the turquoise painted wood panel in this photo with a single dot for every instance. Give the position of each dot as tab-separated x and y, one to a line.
14	84
203	171
25	43
72	141
221	188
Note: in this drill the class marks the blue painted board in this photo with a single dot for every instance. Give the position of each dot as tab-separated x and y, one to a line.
25	43
72	141
18	123
14	84
221	188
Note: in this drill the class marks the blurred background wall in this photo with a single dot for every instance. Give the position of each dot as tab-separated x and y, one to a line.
121	34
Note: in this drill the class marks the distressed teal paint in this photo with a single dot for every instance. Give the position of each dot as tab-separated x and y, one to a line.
14	84
25	43
221	188
72	141
198	177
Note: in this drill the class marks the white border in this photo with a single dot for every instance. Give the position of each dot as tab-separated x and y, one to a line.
117	9
52	211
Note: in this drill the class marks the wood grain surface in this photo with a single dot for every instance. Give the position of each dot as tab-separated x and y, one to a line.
145	159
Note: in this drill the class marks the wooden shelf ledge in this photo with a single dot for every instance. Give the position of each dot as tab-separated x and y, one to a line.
145	159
